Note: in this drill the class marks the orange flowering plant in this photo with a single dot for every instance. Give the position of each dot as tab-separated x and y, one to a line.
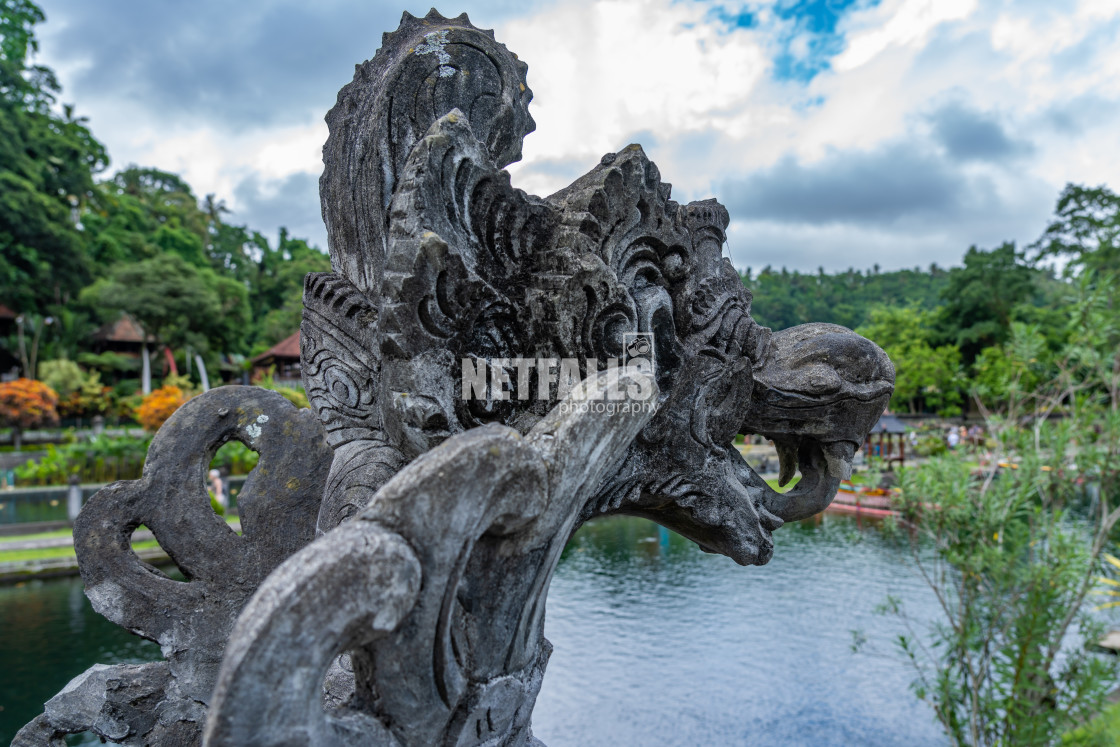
26	403
159	405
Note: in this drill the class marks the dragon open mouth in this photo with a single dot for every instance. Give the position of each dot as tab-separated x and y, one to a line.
820	391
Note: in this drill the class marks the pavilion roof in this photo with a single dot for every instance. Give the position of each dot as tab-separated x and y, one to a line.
889	424
124	329
286	349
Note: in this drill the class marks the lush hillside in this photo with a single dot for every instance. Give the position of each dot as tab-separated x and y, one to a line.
954	333
784	298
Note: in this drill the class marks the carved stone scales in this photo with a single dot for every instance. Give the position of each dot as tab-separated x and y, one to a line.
389	586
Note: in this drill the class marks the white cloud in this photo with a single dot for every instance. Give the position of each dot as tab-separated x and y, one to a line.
220	158
904	23
602	71
701	96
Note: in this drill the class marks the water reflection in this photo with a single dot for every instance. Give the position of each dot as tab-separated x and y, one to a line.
49	634
660	643
656	642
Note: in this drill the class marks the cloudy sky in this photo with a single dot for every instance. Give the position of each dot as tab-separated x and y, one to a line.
838	132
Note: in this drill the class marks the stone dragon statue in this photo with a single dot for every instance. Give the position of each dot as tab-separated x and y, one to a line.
398	542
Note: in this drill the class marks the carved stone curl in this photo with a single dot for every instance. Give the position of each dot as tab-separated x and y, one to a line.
416	616
165	702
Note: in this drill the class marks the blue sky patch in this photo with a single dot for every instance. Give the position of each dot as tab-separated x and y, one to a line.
805	38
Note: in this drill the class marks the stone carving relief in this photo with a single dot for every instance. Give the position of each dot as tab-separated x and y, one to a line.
390	585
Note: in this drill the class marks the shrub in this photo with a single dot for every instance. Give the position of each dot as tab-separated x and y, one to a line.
267	380
62	375
295	396
81	393
25	403
100	459
235	458
158	406
931	445
1014	554
87	403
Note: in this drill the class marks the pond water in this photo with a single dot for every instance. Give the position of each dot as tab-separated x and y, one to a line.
656	642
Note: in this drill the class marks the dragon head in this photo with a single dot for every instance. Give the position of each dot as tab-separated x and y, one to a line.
446	269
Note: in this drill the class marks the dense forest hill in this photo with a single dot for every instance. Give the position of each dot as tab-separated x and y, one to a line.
970	307
80	249
784	298
944	328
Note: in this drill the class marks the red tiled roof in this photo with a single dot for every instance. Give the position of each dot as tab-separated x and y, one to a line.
125	329
286	348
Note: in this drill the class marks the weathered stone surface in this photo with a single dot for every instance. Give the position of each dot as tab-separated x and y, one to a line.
125	703
190	620
471	268
416	616
458	657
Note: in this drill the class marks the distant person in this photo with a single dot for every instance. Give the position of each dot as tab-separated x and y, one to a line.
975	435
953	439
218	488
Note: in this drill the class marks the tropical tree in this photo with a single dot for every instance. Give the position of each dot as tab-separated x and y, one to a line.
277	288
1018	547
786	298
26	403
980	299
1085	232
926	377
176	302
48	160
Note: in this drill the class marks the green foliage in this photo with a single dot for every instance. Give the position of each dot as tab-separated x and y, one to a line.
18	82
1102	731
235	458
174	301
63	376
100	459
279	323
982	297
1021	365
105	459
147	216
926	377
1013	559
109	361
1085	232
47	163
1011	572
784	299
930	439
141	213
283	268
80	393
